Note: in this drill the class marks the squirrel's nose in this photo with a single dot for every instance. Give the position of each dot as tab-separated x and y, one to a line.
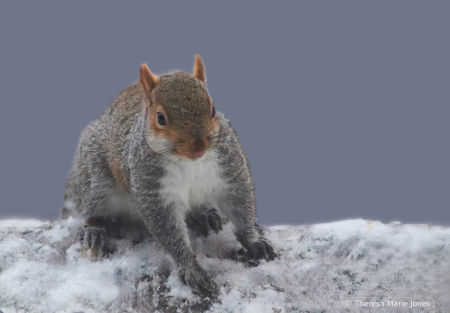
199	154
199	148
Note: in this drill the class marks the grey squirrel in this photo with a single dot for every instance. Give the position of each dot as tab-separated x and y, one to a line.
161	153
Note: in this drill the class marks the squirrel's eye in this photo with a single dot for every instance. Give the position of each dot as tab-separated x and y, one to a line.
213	111
161	119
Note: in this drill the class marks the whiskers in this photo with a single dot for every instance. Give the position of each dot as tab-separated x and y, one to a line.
214	137
168	151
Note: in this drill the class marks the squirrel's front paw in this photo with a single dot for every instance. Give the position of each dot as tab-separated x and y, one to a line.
215	220
95	239
199	280
203	223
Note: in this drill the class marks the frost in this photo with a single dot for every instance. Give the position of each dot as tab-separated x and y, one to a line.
44	268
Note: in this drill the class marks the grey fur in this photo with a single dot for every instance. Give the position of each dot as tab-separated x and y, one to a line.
117	142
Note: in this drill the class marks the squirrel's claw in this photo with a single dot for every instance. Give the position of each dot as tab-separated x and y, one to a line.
257	250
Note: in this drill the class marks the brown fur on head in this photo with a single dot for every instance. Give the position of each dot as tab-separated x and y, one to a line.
188	124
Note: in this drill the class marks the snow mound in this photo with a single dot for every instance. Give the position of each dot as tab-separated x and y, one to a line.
347	266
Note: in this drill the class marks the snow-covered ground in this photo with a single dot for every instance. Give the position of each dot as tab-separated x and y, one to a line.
322	268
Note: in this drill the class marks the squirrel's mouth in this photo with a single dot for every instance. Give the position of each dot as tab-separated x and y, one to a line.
193	154
198	154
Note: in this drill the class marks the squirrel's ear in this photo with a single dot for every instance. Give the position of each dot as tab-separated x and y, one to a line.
148	80
199	69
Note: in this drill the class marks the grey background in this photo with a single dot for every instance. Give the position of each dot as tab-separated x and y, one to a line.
342	107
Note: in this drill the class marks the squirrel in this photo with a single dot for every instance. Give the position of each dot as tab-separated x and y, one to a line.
162	155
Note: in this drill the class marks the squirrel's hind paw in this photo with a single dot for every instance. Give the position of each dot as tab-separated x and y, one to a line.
257	250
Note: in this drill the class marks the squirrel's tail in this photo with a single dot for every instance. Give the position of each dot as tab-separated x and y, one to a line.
69	205
68	209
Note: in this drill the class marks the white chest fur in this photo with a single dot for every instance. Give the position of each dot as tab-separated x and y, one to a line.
189	183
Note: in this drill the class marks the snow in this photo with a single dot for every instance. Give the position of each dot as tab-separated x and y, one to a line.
45	268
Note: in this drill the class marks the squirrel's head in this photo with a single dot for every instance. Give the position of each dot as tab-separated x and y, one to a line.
181	115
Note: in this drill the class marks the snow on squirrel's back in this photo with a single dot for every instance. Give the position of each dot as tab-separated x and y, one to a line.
321	267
